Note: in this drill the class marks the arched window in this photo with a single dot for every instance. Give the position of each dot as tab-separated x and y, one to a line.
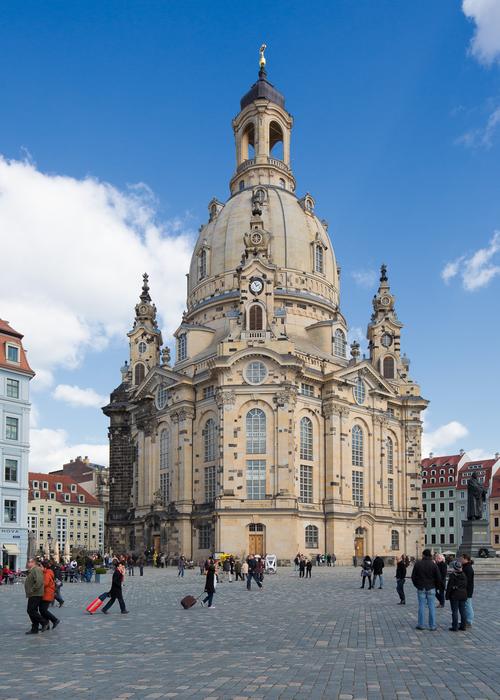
256	431
139	373
181	347
394	539
359	391
248	143
390	455
311	539
388	370
242	185
209	438
202	264
256	527
318	259
255	319
165	466
306	438
339	343
275	141
357	446
282	183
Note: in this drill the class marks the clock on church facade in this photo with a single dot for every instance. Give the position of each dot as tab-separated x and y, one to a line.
265	434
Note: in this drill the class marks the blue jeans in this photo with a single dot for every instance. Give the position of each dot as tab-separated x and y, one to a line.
400	587
250	576
427	598
469	611
208	599
380	580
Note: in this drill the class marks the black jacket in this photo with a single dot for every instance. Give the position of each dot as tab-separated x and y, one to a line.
210	580
443	572
116	583
401	571
469	575
425	574
378	565
457	586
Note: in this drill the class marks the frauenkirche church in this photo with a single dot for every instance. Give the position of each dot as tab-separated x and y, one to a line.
267	433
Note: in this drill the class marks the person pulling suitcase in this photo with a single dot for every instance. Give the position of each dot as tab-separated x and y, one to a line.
115	592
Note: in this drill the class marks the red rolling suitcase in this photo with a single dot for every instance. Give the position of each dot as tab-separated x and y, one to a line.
96	604
188	602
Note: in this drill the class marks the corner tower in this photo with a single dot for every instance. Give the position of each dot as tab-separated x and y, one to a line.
145	338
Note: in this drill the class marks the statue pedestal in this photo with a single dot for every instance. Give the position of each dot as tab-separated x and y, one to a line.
475	537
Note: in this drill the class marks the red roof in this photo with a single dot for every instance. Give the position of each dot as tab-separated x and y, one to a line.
495	485
440	472
66	482
453	460
483	469
9	335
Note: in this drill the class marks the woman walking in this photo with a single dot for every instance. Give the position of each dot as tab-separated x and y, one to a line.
209	586
115	592
400	579
49	593
366	572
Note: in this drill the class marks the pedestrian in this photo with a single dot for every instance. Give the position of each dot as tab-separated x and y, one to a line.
296	562
49	593
210	585
33	588
115	592
130	565
366	572
378	568
400	579
318	560
426	579
252	572
162	560
328	559
244	570
309	566
259	569
302	567
226	569
181	566
443	572
231	569
334	559
89	567
456	593
59	584
237	570
140	564
469	575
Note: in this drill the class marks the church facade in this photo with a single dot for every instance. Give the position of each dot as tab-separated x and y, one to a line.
267	433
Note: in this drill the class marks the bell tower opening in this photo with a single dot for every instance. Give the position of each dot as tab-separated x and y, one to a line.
276	141
248	143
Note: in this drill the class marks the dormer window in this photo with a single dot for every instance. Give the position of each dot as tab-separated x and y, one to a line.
73	488
36	494
181	347
35	484
12	353
81	498
58	486
52	496
45	485
67	497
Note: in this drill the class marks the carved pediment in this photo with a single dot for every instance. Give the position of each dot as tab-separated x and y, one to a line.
372	378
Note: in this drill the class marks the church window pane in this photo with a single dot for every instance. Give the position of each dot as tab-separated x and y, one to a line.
256	527
390	455
209	438
181	347
164	449
357	446
255	320
242	185
256	431
306	483
390	492
139	373
339	343
256	479
388	367
205	536
394	539
256	372
161	396
307	389
202	264
311	537
306	438
359	391
142	347
318	259
357	488
209	484
208	391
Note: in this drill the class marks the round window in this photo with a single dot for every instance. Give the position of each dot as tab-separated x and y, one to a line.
255	372
161	397
359	391
142	347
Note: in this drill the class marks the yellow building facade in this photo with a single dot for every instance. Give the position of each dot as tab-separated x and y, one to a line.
268	433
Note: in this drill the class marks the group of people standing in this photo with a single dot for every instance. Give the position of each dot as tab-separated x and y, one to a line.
373	569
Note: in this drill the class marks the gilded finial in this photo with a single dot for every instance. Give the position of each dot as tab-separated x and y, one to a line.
262	58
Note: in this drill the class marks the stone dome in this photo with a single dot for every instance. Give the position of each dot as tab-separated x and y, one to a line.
294	233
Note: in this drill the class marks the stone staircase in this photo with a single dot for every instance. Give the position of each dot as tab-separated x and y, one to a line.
487	568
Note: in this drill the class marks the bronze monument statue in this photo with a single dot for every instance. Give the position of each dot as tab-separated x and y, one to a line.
476	496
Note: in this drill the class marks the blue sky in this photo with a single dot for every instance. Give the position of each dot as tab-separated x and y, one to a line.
115	133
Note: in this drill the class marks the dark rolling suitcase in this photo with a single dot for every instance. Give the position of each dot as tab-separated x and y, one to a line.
188	602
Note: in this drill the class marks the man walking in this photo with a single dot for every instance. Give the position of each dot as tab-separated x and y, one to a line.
378	568
33	587
426	579
252	572
181	567
469	575
400	579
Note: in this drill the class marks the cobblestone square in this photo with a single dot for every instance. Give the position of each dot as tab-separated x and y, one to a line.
296	638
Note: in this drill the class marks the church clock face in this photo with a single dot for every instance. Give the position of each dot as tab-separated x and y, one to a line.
387	340
256	285
386	301
256	238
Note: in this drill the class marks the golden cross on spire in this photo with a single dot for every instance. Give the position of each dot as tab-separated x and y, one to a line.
262	58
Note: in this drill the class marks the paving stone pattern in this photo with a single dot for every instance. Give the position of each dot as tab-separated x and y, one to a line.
296	638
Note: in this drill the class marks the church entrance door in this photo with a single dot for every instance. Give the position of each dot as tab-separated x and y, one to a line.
156	543
256	544
359	547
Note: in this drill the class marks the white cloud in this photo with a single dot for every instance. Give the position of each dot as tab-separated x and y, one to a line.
76	253
50	449
485	43
76	396
483	136
475	270
478	453
443	437
364	278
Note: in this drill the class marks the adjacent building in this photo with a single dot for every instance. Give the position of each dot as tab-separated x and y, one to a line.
15	377
268	433
61	512
494	506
